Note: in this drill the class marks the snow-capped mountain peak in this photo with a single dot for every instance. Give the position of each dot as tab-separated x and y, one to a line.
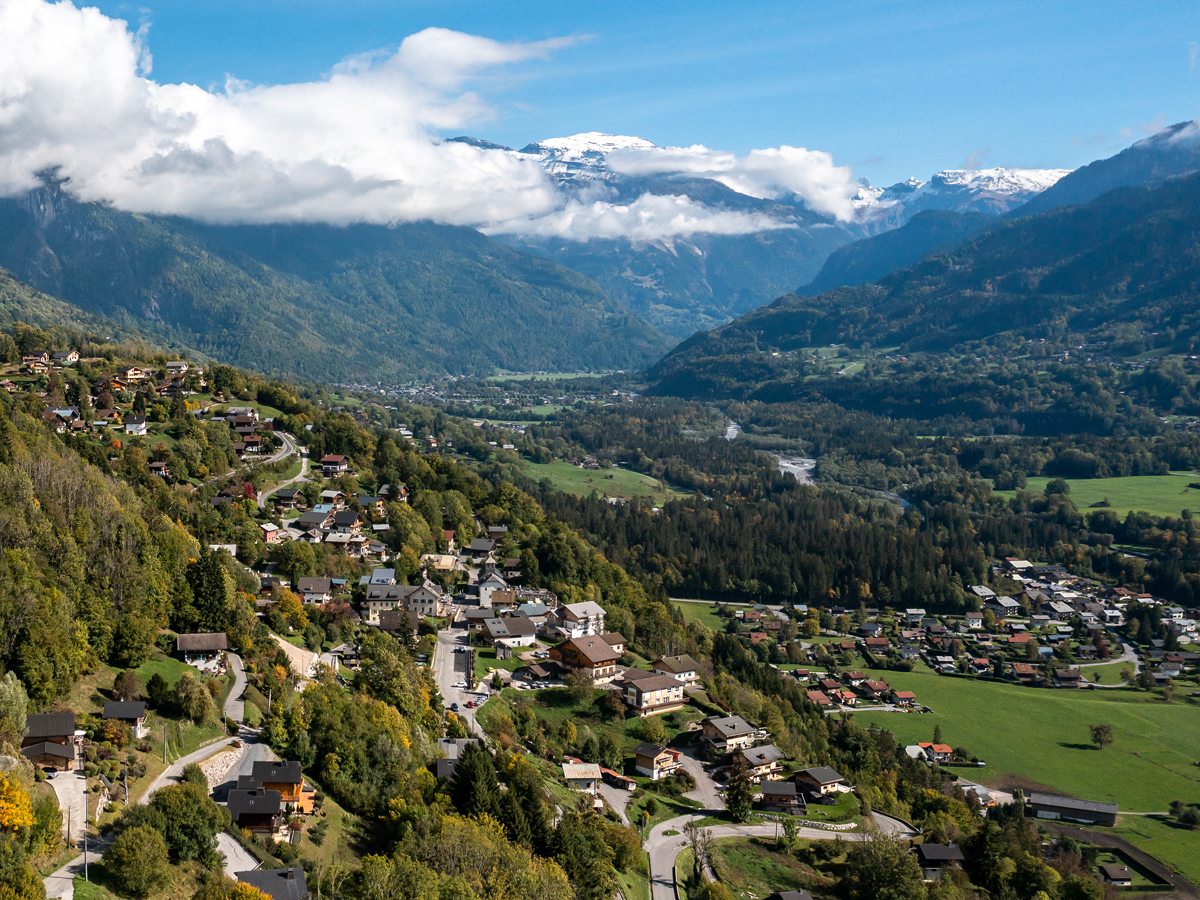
581	157
993	191
999	181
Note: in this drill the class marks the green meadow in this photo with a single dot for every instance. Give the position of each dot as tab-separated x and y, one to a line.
1159	495
614	482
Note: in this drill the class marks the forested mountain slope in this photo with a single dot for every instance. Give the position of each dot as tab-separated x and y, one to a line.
1121	271
872	258
319	301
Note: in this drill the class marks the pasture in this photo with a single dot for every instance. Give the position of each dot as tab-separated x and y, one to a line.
1159	495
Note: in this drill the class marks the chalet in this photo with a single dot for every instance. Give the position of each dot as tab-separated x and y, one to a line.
854	679
259	811
426	598
1068	809
278	884
480	548
820	698
315	589
448	536
763	761
347	521
1025	673
682	668
616	640
132	373
474	619
201	647
177	367
234	412
781	796
873	690
135	425
844	698
973	620
820	780
914	615
50	741
937	752
513	631
488	586
316	519
657	694
161	469
334	499
333	465
877	644
1003	606
655	762
590	654
271	533
395	621
830	685
1066	678
286	778
372	505
936	857
577	619
1117	875
132	712
727	734
583	777
289	498
10	386
65	357
35	356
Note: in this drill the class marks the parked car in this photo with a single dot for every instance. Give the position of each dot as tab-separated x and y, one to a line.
453	707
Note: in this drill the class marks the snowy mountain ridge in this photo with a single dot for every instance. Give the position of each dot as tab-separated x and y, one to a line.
582	157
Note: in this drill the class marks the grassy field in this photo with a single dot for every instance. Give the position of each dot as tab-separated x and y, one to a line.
614	482
634	885
169	668
485	658
1036	738
1159	495
751	868
704	613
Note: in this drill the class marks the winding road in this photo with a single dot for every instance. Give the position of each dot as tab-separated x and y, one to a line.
663	848
289	447
235	703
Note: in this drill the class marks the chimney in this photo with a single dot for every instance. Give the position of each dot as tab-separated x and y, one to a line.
291	875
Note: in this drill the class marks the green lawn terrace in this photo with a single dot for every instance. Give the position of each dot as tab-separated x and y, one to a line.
616	483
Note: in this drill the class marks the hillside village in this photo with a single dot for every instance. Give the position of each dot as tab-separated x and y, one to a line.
329	554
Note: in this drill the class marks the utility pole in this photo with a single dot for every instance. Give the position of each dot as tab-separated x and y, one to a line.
164	743
85	859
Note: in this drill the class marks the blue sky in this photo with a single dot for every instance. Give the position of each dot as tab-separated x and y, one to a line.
891	88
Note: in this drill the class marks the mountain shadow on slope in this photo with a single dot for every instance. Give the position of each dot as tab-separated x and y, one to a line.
363	302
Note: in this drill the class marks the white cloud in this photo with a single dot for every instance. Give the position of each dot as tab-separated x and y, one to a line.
358	146
650	218
770	174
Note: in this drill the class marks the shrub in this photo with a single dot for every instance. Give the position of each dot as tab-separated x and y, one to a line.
138	862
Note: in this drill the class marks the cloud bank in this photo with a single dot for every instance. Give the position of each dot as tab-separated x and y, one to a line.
358	146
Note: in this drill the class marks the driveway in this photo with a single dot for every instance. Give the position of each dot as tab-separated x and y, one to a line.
707	791
255	750
235	703
617	799
303	660
237	857
449	668
71	790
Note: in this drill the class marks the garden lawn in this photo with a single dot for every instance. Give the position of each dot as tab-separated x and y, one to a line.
169	668
485	658
751	868
614	482
1159	495
1042	735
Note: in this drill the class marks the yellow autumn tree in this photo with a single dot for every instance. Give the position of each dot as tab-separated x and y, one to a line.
15	809
245	891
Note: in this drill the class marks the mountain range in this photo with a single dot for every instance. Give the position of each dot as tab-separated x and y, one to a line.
1120	273
687	284
358	303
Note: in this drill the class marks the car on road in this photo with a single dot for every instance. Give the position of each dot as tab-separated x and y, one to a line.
470	704
453	707
460	684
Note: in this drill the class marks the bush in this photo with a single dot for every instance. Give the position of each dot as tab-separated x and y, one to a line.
138	862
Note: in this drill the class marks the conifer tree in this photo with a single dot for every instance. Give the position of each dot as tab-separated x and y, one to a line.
475	789
739	799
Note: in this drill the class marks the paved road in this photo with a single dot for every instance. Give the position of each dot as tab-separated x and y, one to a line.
173	771
255	750
61	882
287	450
450	668
237	857
1128	657
235	703
663	848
